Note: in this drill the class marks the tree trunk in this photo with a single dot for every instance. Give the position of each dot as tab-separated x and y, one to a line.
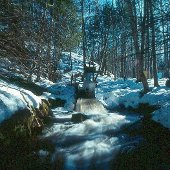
83	33
165	42
133	20
153	44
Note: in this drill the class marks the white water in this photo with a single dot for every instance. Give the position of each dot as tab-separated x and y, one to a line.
92	143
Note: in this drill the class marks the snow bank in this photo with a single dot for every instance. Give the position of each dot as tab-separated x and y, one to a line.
111	93
63	92
115	93
125	97
163	115
13	98
127	93
157	96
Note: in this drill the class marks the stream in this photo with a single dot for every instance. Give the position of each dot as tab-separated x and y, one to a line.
94	142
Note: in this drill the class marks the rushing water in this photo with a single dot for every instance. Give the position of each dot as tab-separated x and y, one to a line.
93	143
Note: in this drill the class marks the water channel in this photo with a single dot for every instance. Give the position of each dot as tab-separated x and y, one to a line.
94	142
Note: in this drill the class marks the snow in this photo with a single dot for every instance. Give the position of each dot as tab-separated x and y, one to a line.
128	94
13	98
95	138
110	92
115	93
63	92
163	115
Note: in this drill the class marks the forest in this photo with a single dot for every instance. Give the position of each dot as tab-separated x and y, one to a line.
126	38
85	84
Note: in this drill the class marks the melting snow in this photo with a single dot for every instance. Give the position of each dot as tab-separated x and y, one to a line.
111	93
127	93
13	98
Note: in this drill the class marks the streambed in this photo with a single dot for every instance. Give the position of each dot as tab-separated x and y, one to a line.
94	142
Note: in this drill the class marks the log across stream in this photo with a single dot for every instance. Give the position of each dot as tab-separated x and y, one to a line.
91	142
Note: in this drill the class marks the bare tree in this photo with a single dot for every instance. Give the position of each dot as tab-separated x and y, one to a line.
139	53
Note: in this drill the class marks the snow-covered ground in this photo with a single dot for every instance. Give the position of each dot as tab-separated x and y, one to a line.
111	93
128	94
13	98
63	92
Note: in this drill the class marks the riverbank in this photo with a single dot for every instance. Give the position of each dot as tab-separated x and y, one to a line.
128	95
151	154
100	136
